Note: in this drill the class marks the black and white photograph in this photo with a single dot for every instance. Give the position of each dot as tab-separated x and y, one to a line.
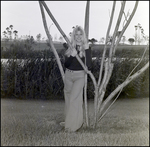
74	73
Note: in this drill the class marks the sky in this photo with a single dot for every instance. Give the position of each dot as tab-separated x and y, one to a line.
26	18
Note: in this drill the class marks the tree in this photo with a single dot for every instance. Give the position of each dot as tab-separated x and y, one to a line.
109	40
38	37
123	39
15	33
102	40
11	27
65	45
106	67
55	37
139	34
29	41
8	33
131	40
5	36
61	39
93	40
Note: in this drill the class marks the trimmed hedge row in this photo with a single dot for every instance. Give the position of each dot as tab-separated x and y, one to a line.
41	79
38	76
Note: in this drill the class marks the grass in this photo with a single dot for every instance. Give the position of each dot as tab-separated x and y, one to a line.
36	123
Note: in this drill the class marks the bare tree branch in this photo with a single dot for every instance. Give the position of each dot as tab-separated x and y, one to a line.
105	47
86	29
51	43
125	27
126	82
124	86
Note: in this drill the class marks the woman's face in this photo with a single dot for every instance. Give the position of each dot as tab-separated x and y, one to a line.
78	37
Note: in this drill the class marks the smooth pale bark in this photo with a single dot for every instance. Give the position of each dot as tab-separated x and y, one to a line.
97	91
105	47
86	23
126	25
61	31
121	86
51	43
86	29
112	53
115	31
100	87
65	37
67	40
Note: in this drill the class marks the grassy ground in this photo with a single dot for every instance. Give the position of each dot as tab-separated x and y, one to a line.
36	123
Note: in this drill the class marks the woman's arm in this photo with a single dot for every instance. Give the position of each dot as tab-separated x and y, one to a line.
88	53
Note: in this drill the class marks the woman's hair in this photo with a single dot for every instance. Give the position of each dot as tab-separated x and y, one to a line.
73	41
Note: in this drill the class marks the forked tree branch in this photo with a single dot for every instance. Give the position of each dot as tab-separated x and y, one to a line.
86	29
51	43
125	26
67	40
100	87
104	107
125	83
105	47
115	32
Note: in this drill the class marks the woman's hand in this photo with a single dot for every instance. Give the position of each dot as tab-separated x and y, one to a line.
73	52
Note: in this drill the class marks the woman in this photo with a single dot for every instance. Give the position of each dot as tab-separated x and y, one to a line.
74	79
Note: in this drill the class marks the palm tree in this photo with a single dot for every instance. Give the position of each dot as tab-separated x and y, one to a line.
15	33
131	40
11	26
5	33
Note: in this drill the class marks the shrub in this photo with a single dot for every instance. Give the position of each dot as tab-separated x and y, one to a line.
38	75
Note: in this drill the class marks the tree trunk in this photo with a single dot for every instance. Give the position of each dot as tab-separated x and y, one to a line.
86	28
100	87
121	86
